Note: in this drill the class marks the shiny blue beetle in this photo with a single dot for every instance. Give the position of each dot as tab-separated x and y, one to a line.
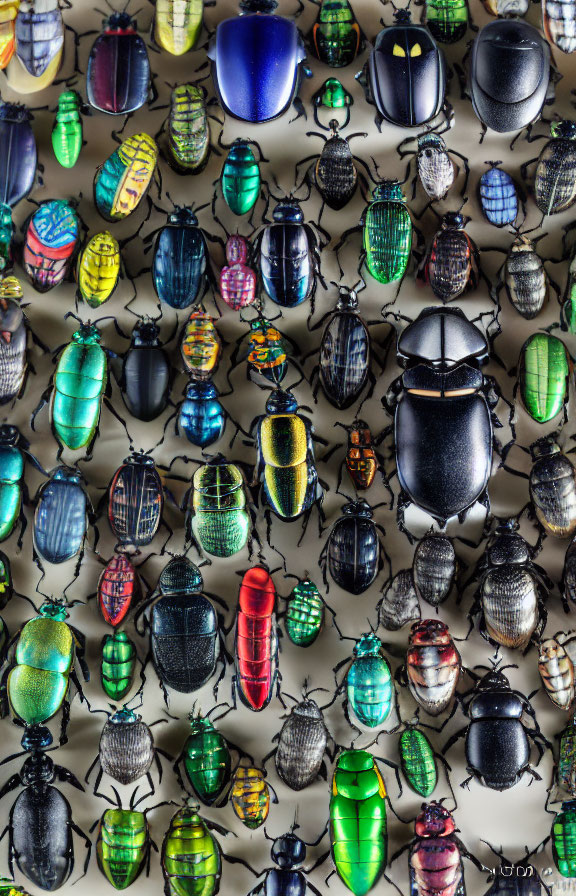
201	417
498	196
288	256
60	520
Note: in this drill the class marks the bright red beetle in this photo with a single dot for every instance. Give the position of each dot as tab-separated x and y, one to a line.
256	643
118	589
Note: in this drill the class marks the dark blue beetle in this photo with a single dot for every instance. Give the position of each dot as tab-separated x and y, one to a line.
201	417
288	256
288	878
256	63
18	154
353	552
39	36
498	196
180	260
118	76
146	373
60	520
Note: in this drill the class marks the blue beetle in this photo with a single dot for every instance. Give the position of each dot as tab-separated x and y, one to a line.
498	196
288	256
51	243
180	266
257	60
201	416
39	36
18	153
60	519
118	75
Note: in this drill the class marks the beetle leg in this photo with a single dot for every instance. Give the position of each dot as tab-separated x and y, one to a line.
454	739
77	830
67	777
10	785
300	110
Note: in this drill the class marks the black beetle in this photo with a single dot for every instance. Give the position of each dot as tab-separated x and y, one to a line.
40	824
302	743
353	552
515	878
405	76
523	276
146	372
288	878
434	568
509	74
443	416
497	741
511	589
136	501
184	628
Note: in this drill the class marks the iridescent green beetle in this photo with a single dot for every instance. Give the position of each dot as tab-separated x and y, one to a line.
305	614
358	831
566	767
336	36
191	858
9	888
564	839
569	303
418	761
206	760
543	373
369	685
447	20
67	129
240	180
332	95
118	665
123	845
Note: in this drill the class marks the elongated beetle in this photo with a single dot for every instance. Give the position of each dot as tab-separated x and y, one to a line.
176	27
543	377
370	696
499	197
135	501
118	74
63	512
39	36
557	671
524	277
555	175
180	264
256	641
146	373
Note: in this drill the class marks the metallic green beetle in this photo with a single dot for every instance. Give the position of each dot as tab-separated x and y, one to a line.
123	846
79	383
332	95
566	768
67	130
543	376
38	683
369	685
447	20
206	759
305	614
418	761
188	130
6	234
240	179
564	839
336	36
569	304
219	519
358	835
11	479
191	859
118	665
9	888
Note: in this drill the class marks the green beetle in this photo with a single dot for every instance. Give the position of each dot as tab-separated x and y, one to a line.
191	857
305	614
67	130
332	95
240	179
418	761
358	833
38	682
218	518
13	491
118	664
543	373
564	839
123	845
369	685
447	20
206	760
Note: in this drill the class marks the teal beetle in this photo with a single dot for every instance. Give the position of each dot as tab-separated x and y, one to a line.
36	685
369	686
13	491
240	180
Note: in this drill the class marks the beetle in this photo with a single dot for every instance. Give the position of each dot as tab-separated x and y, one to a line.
353	551
268	351
256	641
200	346
515	878
509	73
126	751
568	583
7	590
61	517
301	744
434	165
433	666
565	771
345	353
399	602
98	269
332	95
260	86
435	854
13	489
67	129
434	568
552	484
39	37
123	844
335	172
511	590
8	13
447	20
524	278
6	234
288	852
285	463
217	517
336	37
19	157
568	313
146	373
206	760
118	74
442	353
368	681
418	761
362	460
188	139
119	589
557	671
451	266
558	24
304	614
180	264
497	740
36	683
237	279
288	256
184	628
250	796
543	376
240	180
123	180
498	196
177	25
14	329
117	664
51	243
40	825
135	501
554	177
386	229
201	417
562	836
405	54
506	7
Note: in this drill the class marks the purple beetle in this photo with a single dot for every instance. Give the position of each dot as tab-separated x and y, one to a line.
118	76
18	154
39	35
237	280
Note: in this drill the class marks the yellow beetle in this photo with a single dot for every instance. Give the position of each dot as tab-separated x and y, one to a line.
250	796
177	24
200	345
8	12
98	269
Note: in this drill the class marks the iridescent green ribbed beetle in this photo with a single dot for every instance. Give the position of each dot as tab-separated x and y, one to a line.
543	376
67	129
304	616
118	664
206	760
123	843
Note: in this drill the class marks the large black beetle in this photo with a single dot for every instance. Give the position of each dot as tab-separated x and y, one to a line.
443	415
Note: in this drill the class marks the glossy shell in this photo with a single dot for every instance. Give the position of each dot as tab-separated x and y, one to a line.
344	358
564	840
190	859
123	180
543	376
188	129
525	278
304	614
122	846
118	74
250	796
498	197
452	263
200	346
39	32
256	640
336	36
19	158
8	12
552	486
98	269
447	20
237	279
177	25
433	666
555	175
118	589
557	673
240	179
118	665
79	382
60	517
387	237
51	243
219	519
207	761
67	129
418	761
353	550
136	500
180	260
369	686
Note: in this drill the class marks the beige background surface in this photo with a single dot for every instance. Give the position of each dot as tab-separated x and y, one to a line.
511	820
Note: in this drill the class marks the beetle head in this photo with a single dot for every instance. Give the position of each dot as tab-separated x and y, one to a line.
434	821
493	680
368	644
544	447
358	508
388	190
430	143
453	221
308	708
145	333
281	402
124	716
10	435
429	631
288	213
288	851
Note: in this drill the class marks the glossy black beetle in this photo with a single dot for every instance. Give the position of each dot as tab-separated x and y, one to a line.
497	741
146	372
443	416
287	878
353	552
40	824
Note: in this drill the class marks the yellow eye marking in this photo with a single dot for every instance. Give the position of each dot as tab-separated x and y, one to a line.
416	50
398	51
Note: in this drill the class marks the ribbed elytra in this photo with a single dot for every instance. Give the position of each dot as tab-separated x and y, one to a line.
207	760
250	796
122	846
369	685
525	278
418	761
387	234
240	179
555	175
564	839
304	614
447	20
118	665
543	376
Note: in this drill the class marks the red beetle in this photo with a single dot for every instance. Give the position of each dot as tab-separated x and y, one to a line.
432	665
118	589
256	644
361	459
451	266
237	280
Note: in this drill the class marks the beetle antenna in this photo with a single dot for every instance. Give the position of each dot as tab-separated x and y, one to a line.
494	164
